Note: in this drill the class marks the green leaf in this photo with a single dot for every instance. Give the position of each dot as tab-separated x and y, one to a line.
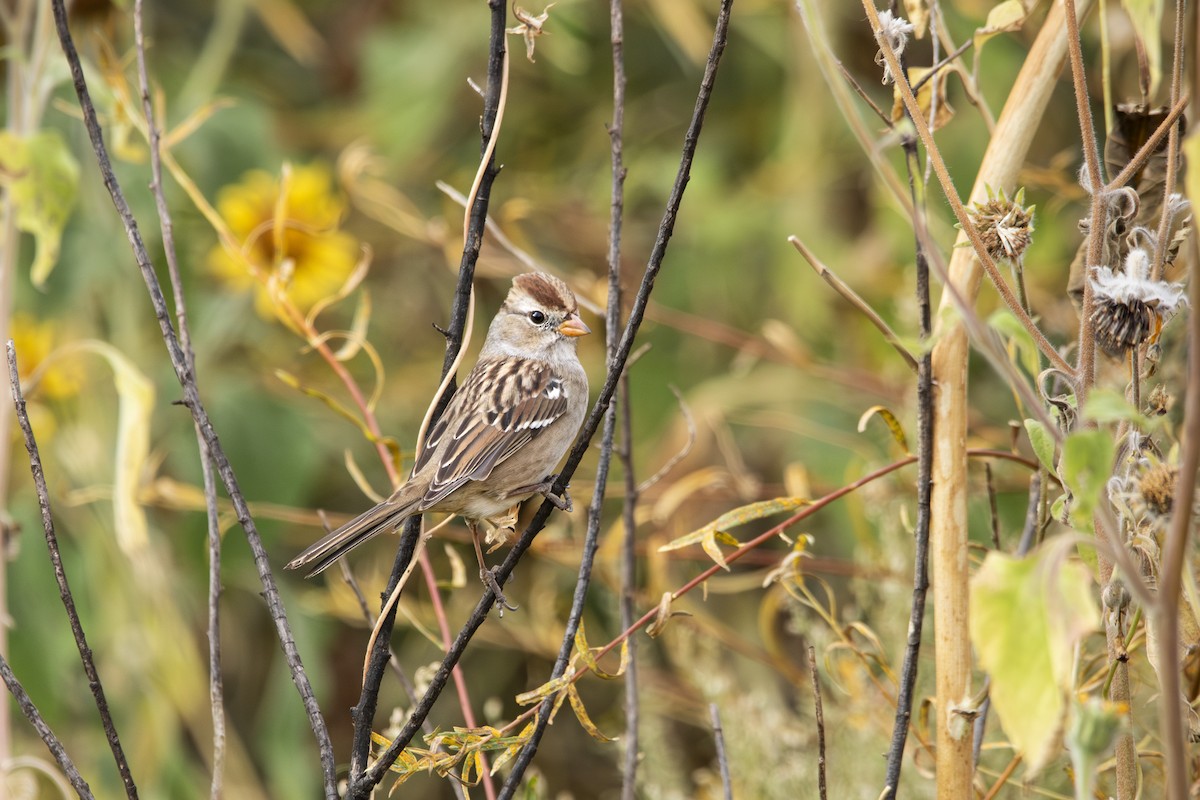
42	177
1108	405
1086	467
1026	617
1042	442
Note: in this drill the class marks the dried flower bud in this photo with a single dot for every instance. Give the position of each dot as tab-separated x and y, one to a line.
1160	401
1157	487
1094	726
1115	596
1004	225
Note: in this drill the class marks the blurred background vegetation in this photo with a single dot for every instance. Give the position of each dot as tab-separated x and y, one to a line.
369	103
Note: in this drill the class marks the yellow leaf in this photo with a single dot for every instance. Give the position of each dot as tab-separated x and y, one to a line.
547	689
707	537
917	12
513	747
586	655
582	715
925	97
1026	617
135	408
889	419
1004	18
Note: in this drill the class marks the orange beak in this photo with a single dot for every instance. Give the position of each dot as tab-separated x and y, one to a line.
573	326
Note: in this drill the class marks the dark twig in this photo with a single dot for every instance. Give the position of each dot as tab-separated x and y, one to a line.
216	690
1033	513
590	544
625	452
820	712
628	595
191	398
60	576
373	775
364	712
616	363
912	648
993	511
936	68
410	691
722	759
35	718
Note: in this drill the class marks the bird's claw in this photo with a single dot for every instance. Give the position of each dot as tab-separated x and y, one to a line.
562	503
488	576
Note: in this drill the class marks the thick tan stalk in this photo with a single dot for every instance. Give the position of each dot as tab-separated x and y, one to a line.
948	533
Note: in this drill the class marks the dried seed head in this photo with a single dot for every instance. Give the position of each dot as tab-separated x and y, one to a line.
1129	306
1157	488
1004	225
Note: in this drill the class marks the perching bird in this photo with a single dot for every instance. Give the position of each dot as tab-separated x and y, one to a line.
504	432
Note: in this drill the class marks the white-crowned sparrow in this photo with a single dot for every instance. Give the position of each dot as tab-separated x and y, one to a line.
505	430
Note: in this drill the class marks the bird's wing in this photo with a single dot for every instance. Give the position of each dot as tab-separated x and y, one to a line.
512	401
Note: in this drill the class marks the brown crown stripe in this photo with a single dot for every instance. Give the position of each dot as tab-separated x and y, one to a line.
547	290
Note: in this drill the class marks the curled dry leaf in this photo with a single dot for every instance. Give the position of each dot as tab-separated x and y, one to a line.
925	96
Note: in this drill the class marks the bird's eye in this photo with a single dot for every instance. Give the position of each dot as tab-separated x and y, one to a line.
537	317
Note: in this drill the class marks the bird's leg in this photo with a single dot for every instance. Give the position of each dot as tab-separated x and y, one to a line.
546	490
485	574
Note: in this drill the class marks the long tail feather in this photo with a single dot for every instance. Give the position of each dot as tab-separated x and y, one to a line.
383	518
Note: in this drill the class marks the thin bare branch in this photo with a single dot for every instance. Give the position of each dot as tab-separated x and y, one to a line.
35	718
852	297
191	399
216	691
60	576
1174	561
820	715
916	619
722	759
682	453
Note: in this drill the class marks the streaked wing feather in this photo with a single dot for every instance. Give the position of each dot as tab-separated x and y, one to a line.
520	404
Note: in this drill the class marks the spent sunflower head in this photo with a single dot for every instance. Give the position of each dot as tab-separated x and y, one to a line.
1129	304
291	247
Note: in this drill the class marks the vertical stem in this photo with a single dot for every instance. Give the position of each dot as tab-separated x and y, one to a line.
722	759
628	593
625	452
1175	559
18	34
908	674
948	499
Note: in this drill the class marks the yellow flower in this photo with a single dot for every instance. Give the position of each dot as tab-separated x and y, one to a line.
307	260
35	343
